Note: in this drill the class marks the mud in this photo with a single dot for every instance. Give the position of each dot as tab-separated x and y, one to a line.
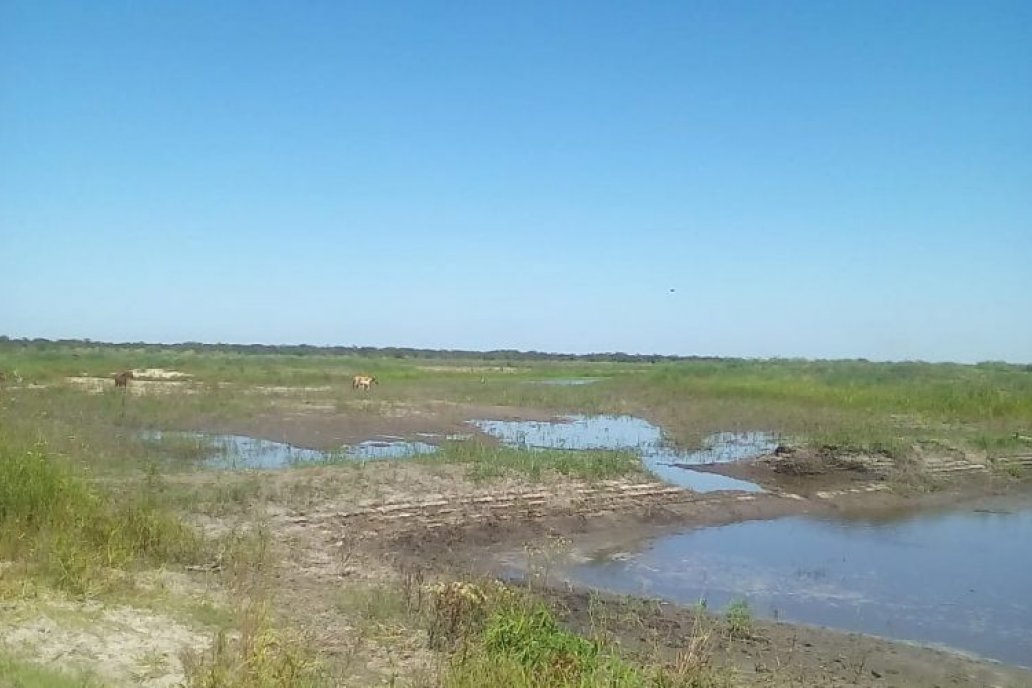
327	428
777	654
810	472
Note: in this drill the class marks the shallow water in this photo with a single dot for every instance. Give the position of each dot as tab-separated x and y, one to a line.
396	449
959	580
635	434
234	452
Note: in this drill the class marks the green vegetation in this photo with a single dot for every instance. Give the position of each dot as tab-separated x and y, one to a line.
509	639
486	461
850	404
879	407
72	533
17	673
739	619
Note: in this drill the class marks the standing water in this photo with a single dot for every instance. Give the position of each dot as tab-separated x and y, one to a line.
959	580
234	452
635	434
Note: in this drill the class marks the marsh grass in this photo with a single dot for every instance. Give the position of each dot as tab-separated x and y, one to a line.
509	638
882	407
18	673
485	461
75	534
858	403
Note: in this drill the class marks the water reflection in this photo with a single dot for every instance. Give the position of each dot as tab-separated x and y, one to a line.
235	452
957	579
640	436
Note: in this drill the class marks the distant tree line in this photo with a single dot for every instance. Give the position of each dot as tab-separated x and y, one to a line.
496	355
42	344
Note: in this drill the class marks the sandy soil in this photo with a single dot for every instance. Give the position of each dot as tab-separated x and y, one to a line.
120	644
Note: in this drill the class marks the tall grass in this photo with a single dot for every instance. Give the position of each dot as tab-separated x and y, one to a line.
947	392
72	533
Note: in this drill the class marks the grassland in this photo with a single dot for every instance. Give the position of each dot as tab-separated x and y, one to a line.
93	511
879	406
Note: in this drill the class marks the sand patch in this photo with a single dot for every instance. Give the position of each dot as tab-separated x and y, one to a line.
96	385
120	644
159	374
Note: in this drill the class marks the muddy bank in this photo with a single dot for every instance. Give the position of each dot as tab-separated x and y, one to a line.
778	654
774	653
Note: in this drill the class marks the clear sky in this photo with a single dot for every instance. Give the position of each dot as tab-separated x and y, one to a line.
822	179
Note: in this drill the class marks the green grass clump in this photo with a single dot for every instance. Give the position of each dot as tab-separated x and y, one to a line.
739	619
522	644
17	673
486	461
73	533
496	636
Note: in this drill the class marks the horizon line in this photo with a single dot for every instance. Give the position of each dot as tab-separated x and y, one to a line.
365	349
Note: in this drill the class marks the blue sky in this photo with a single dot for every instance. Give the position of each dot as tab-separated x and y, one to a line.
819	179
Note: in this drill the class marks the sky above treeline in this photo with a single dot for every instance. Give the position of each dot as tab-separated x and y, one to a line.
815	179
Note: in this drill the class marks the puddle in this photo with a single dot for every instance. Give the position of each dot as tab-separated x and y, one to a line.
454	437
236	452
635	434
376	449
958	580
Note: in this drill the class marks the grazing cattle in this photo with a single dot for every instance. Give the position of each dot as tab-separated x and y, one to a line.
363	382
122	379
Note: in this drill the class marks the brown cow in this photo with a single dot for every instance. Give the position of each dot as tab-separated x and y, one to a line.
122	379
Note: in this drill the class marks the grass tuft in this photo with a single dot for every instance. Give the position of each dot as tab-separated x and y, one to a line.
509	639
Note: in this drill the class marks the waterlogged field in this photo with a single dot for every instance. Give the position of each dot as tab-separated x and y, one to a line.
242	518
